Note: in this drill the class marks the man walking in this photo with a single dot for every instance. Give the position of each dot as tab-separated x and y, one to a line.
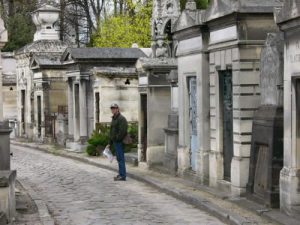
118	131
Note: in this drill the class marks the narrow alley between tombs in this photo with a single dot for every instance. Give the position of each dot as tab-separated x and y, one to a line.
77	193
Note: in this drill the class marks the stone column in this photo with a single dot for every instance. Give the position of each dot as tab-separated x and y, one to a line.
83	110
288	21
70	110
3	40
4	146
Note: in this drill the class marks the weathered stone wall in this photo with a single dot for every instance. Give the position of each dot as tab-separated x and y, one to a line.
114	90
243	60
192	62
288	20
9	102
7	194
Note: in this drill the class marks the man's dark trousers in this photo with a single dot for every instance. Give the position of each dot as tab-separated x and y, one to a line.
119	147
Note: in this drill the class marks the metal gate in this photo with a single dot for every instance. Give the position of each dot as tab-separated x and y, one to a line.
226	96
193	120
50	125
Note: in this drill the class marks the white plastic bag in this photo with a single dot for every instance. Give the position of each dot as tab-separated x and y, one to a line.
108	154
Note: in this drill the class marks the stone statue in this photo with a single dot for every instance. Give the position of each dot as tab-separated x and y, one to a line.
271	71
161	49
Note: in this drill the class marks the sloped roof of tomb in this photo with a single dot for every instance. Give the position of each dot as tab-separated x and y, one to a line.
46	60
43	46
78	54
289	11
220	8
184	21
115	71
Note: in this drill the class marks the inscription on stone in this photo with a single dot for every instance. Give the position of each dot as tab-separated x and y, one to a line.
293	49
271	78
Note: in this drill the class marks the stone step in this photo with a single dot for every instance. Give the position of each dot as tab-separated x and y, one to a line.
131	158
3	219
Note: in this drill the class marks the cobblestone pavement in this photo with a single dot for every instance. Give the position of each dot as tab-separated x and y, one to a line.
77	193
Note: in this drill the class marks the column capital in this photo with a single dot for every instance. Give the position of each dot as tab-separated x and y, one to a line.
290	171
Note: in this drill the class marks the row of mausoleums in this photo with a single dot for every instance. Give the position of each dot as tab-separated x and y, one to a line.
63	92
217	79
209	101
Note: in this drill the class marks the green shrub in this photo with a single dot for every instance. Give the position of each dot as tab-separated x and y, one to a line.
133	132
98	141
92	150
101	137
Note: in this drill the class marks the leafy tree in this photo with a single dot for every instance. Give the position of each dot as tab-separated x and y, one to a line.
18	22
20	32
127	28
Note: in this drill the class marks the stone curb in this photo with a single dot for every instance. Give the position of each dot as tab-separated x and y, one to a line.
44	215
201	203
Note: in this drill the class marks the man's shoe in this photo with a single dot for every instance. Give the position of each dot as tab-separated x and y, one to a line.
119	178
116	177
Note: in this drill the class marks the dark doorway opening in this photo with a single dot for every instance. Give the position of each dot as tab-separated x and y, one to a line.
298	114
39	115
227	120
144	126
23	108
97	107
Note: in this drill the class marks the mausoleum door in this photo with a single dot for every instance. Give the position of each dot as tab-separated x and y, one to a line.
193	120
23	110
298	116
39	115
144	126
226	109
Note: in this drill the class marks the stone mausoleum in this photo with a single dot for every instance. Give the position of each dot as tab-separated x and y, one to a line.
155	90
7	176
9	90
96	77
288	20
40	87
213	95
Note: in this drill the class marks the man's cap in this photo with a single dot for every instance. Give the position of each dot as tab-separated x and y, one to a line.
114	105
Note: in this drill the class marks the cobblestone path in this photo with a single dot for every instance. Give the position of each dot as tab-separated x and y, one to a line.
81	194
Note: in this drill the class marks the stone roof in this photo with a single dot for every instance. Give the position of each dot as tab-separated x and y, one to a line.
104	53
185	21
290	10
47	46
47	59
220	8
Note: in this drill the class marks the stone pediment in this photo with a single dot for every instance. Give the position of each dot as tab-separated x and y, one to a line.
220	8
66	56
184	21
45	60
43	46
290	10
